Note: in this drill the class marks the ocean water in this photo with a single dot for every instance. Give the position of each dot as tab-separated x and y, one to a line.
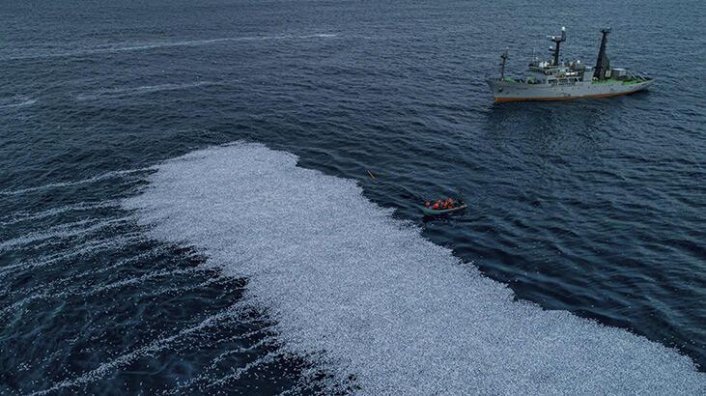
185	204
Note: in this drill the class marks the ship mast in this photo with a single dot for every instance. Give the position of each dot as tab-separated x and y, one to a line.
504	57
602	62
557	41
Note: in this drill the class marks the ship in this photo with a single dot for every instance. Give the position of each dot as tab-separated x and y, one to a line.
555	80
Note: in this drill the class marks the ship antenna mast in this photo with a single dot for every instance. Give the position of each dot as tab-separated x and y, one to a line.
557	41
602	62
504	57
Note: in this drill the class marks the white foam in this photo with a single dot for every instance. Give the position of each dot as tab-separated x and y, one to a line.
364	294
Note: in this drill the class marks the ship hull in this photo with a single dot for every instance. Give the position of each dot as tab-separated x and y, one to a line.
514	91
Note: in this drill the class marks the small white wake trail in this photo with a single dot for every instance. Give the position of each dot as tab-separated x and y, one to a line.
141	90
62	232
144	278
263	342
105	176
81	206
184	289
19	304
88	291
268	358
361	293
209	381
90	248
118	48
23	103
95	248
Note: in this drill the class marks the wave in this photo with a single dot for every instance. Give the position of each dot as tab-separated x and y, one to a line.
365	295
142	90
117	48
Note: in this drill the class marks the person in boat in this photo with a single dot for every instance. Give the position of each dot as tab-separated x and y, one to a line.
440	204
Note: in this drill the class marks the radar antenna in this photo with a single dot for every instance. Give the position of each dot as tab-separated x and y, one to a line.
557	41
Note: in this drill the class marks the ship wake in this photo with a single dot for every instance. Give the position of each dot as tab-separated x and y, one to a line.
367	297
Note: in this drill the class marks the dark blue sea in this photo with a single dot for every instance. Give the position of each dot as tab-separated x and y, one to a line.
222	197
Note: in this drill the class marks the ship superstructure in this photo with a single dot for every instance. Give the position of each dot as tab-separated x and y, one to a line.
555	80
